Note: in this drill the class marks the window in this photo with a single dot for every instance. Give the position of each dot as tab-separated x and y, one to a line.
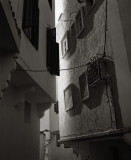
80	21
65	44
50	3
68	97
83	83
30	23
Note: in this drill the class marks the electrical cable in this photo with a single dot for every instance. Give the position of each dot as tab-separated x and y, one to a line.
64	69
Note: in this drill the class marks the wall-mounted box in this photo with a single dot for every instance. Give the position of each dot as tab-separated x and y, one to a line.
83	83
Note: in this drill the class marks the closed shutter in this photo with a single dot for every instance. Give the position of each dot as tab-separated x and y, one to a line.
52	60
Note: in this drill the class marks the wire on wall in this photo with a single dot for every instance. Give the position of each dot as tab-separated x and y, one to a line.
63	69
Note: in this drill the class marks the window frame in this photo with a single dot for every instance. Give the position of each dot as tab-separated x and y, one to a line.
65	39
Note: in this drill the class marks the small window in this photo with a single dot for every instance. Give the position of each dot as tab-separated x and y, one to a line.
65	44
30	23
52	56
68	97
83	83
50	3
80	21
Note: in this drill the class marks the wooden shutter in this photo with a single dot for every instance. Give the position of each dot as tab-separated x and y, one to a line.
52	61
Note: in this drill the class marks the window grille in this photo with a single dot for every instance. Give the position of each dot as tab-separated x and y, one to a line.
96	70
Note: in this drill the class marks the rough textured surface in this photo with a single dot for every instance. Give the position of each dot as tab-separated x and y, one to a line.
97	113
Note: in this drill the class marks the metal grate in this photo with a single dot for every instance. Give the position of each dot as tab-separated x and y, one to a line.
95	70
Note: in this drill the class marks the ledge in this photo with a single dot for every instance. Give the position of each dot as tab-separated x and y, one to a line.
96	136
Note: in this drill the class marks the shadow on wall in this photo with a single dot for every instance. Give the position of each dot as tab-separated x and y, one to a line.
89	18
96	93
111	70
77	103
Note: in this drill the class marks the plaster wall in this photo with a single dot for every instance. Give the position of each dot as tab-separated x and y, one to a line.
58	153
19	129
120	25
96	114
30	58
42	146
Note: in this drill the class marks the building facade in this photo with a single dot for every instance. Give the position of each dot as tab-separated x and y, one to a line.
53	150
95	81
27	30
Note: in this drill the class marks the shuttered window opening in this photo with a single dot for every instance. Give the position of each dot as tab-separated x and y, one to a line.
30	23
52	57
